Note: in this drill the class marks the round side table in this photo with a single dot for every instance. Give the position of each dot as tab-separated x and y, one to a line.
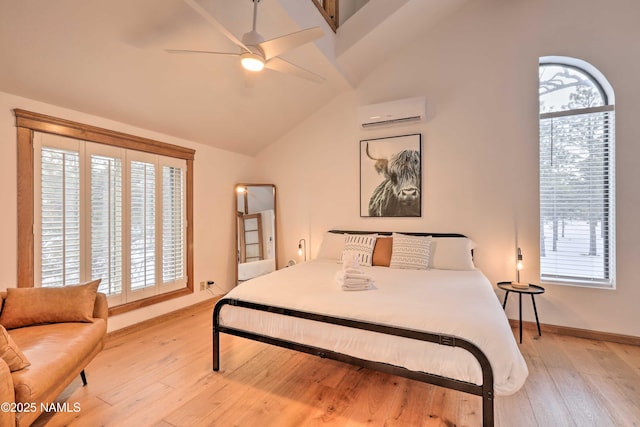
532	290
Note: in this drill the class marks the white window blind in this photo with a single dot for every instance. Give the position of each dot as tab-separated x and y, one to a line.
143	225
106	223
577	224
60	217
109	213
173	224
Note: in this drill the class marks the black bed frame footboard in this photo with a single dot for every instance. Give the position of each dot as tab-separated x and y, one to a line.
485	390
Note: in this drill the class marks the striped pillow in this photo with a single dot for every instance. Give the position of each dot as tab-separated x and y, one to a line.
360	245
410	252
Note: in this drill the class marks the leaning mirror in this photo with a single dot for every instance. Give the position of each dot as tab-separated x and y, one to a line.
255	230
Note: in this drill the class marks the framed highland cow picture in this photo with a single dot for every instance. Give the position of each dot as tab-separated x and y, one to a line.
391	176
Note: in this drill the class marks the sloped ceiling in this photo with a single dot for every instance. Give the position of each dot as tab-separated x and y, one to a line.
107	58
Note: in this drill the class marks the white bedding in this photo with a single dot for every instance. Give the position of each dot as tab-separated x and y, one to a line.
460	303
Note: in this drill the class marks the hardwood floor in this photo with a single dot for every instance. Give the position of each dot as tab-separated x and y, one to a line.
161	376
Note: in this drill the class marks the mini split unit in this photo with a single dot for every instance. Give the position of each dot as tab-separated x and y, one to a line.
393	112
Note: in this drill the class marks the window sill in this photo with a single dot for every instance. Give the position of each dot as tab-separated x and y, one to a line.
134	305
589	285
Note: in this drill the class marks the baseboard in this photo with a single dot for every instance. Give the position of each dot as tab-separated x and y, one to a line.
554	329
162	318
579	333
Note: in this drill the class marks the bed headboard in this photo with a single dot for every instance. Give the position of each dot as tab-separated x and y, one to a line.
389	233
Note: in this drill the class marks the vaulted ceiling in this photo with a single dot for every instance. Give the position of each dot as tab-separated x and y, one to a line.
108	58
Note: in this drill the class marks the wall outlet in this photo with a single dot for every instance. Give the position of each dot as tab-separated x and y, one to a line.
206	284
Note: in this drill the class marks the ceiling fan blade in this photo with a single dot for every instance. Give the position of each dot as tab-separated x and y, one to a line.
279	64
279	45
213	21
200	51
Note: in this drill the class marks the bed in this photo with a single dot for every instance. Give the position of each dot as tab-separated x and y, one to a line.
440	325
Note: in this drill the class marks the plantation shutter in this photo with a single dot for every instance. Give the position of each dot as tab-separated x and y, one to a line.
143	225
60	217
576	196
173	224
99	213
106	223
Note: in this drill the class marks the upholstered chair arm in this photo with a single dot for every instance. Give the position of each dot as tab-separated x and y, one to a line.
7	397
101	309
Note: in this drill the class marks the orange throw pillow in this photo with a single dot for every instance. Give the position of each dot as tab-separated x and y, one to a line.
34	306
382	251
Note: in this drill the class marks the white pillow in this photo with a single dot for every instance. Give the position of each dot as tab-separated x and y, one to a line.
361	246
331	247
452	253
410	252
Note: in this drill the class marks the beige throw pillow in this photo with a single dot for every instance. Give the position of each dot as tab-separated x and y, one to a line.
359	246
410	252
33	306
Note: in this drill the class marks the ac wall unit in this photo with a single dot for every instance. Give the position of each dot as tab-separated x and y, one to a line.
393	112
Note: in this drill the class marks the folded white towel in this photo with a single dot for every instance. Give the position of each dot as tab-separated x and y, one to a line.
341	276
354	281
361	287
361	275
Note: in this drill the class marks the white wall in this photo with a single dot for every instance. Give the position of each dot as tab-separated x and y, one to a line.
348	7
478	70
215	174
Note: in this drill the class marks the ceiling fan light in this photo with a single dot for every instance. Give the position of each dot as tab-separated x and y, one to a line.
252	62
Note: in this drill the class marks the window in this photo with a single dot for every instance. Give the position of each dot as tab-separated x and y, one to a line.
106	222
94	203
134	208
577	174
60	217
173	267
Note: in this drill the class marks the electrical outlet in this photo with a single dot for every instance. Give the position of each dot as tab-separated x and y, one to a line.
206	284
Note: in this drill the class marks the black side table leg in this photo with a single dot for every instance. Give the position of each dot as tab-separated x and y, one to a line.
535	310
504	304
520	311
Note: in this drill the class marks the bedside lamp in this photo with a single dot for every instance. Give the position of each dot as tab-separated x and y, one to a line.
517	283
302	248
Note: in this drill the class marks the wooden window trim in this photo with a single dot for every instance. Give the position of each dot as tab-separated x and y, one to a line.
27	123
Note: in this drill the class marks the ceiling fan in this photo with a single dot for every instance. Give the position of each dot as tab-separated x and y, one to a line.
256	53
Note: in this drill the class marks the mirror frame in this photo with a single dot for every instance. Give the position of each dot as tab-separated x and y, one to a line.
235	214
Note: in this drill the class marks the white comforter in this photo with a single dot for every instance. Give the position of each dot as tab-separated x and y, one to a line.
460	303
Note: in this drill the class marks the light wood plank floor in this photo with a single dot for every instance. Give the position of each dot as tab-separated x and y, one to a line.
161	376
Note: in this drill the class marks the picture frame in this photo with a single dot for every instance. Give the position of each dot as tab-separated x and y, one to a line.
391	176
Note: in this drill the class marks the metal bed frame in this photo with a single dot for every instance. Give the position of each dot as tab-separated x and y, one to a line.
485	390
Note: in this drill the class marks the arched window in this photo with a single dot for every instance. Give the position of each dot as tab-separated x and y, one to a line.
577	174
